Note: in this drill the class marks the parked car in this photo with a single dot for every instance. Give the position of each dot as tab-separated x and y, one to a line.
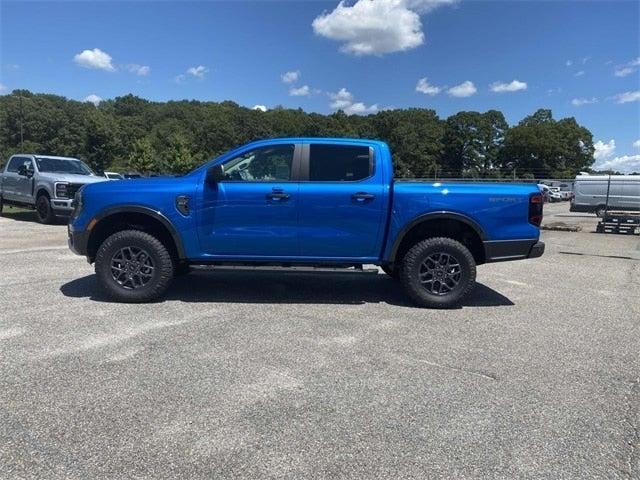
45	183
550	194
566	191
591	193
303	201
113	176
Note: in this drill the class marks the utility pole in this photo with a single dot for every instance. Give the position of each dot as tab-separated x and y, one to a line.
21	121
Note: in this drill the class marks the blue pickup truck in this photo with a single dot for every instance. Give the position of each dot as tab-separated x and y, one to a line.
303	201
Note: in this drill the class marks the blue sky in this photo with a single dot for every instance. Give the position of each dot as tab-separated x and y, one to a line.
579	58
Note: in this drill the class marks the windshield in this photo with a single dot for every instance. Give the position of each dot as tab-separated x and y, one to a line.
62	165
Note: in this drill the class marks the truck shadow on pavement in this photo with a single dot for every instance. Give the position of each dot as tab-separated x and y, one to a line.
243	286
29	216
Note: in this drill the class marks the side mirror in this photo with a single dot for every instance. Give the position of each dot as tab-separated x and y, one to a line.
215	174
24	171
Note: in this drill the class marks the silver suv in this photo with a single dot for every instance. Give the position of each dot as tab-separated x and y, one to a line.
45	183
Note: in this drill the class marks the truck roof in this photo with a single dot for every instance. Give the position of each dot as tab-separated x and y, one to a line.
38	155
318	139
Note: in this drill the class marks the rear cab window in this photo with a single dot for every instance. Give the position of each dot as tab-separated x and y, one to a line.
339	163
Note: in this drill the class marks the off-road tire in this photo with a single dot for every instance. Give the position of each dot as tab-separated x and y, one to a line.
412	262
1	205
44	212
162	262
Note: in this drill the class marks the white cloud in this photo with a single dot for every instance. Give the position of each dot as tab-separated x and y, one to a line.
141	70
578	102
604	151
465	89
569	63
628	68
3	88
93	98
636	144
300	92
199	72
262	108
376	27
290	77
514	86
623	71
360	108
579	73
627	97
95	58
343	100
625	164
425	87
586	59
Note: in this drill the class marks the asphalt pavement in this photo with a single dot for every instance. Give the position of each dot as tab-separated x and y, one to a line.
248	374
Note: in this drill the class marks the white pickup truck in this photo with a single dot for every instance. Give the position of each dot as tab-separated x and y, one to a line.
44	183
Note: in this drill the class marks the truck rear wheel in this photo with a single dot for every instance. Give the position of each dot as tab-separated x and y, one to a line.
438	272
133	267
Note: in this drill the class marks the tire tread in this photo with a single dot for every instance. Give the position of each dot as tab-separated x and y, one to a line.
416	292
165	265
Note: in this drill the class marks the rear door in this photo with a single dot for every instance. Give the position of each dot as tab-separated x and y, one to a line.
342	199
11	179
252	213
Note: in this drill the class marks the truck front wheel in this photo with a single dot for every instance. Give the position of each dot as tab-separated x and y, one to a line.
44	212
133	266
438	272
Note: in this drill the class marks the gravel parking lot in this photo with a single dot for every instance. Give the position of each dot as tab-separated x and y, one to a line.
289	375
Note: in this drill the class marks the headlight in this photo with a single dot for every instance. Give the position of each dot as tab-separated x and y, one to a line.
77	203
62	190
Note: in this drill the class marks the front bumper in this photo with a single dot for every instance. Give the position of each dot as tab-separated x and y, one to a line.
506	250
62	206
78	241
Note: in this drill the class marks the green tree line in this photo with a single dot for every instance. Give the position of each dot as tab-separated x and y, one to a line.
131	133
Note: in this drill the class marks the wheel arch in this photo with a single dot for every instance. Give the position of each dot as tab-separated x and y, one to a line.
134	217
442	223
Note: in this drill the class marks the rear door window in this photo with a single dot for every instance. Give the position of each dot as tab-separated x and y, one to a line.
339	163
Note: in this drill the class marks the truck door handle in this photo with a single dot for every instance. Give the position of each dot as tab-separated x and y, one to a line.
362	196
277	195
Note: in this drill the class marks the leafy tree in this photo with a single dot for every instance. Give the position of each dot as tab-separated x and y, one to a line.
131	132
548	148
473	141
142	157
180	158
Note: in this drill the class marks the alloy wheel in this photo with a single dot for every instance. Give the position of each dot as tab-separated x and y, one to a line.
132	267
440	273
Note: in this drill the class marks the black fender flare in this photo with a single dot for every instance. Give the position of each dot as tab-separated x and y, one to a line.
155	214
441	214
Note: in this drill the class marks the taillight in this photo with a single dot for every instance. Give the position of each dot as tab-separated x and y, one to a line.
536	201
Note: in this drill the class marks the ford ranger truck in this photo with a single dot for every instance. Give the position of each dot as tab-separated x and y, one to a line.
45	183
303	201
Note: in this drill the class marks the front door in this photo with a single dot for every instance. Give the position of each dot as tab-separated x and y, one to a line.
252	212
24	183
342	202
